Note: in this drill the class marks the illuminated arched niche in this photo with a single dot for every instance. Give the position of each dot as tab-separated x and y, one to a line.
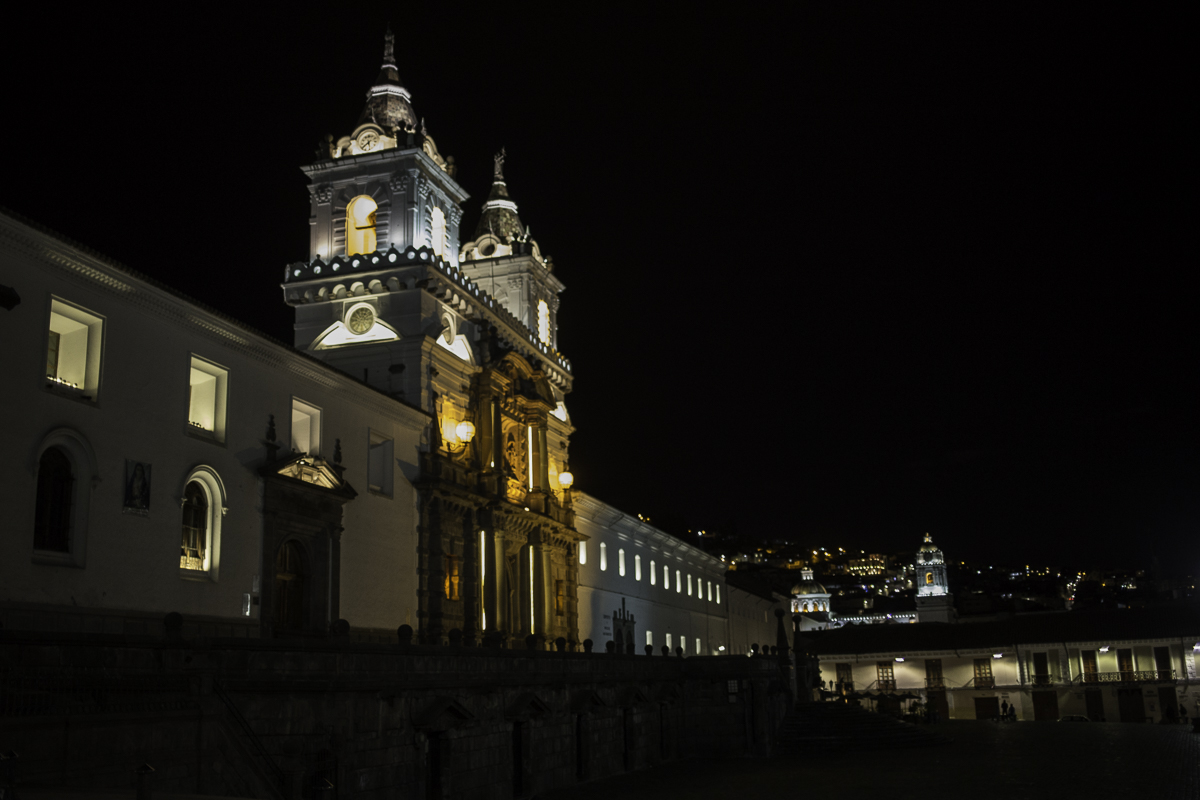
437	231
360	225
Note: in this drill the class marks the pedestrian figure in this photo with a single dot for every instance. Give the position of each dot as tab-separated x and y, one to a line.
1004	709
1012	713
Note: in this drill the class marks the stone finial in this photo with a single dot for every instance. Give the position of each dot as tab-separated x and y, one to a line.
754	649
531	642
679	652
587	645
405	634
456	637
666	651
337	451
271	428
649	649
610	646
498	168
560	644
389	47
339	628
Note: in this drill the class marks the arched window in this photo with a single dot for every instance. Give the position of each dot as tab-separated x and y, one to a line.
64	470
52	517
666	577
603	556
678	582
437	231
203	510
193	553
360	225
621	562
653	573
289	588
637	568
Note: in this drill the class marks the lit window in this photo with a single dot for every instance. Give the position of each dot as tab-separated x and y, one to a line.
678	582
543	322
621	562
637	568
710	591
603	556
450	568
560	598
666	577
203	510
668	641
718	594
583	553
380	463
683	644
306	428
437	231
207	390
649	638
689	585
697	646
360	226
73	348
653	573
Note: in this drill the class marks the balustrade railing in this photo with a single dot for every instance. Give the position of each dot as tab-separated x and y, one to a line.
1129	676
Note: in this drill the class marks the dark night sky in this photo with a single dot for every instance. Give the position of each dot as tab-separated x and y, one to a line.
844	274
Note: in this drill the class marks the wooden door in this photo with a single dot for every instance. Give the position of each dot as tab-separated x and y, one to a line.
938	703
1095	703
1169	703
1131	706
1125	664
1089	668
987	707
1045	706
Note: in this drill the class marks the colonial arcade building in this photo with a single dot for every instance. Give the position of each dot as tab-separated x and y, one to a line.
403	462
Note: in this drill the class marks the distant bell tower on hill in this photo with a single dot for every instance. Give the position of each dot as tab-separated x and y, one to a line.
934	601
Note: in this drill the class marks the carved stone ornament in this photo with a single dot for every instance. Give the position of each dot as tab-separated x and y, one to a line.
323	193
455	214
398	183
423	187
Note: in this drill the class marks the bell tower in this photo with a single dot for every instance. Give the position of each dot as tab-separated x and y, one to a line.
934	601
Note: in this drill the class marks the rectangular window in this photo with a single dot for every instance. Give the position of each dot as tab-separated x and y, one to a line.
933	674
73	349
582	553
668	641
887	678
983	674
698	651
637	568
380	463
649	638
845	679
683	644
306	428
689	585
653	573
678	582
207	390
603	557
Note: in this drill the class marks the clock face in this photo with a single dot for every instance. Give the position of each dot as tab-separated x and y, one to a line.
361	320
367	140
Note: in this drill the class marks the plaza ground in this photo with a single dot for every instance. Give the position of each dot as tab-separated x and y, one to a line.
982	760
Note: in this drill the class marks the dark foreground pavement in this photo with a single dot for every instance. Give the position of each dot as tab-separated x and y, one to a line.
981	761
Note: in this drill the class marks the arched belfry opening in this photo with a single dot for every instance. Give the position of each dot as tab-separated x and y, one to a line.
360	225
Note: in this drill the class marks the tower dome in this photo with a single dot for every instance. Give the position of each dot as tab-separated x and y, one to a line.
808	596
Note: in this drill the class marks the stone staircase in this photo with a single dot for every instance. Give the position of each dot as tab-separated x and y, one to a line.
821	727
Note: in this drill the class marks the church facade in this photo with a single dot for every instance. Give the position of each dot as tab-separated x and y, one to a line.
403	461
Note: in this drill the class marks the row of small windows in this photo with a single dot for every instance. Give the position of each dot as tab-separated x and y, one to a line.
699	585
73	353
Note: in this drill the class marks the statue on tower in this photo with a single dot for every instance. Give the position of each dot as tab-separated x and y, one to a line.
498	173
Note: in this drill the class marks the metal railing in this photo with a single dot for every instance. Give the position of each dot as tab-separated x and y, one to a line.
983	682
248	734
1129	676
1041	680
935	683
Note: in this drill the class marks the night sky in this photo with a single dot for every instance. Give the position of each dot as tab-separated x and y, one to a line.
844	274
